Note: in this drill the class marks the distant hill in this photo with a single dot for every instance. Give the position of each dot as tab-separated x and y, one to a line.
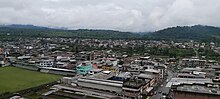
197	32
24	26
37	31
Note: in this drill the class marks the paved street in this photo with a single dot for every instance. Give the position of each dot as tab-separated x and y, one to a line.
163	88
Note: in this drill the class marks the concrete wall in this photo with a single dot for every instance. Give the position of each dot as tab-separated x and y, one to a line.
35	68
61	72
26	67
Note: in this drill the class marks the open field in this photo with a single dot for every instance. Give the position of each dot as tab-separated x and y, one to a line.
14	79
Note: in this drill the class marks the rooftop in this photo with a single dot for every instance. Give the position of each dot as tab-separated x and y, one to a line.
190	75
198	89
146	76
124	74
102	75
96	70
133	83
152	70
191	69
178	81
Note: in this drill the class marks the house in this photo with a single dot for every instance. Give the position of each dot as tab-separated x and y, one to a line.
100	84
24	57
121	76
61	64
195	91
46	63
2	63
133	87
84	68
193	62
94	71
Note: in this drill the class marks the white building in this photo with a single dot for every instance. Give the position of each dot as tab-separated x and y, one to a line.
2	63
46	63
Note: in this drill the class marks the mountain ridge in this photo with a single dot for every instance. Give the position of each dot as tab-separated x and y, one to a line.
38	31
196	32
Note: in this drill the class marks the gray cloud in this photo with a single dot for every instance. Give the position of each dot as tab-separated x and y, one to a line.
124	15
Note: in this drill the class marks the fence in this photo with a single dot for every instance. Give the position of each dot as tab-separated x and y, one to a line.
7	95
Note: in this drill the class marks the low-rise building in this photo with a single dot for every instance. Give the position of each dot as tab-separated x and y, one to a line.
133	88
194	91
46	63
84	68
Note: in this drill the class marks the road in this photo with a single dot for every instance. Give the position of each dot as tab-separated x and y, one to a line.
196	51
163	88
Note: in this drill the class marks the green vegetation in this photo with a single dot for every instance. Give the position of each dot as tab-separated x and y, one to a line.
209	54
156	51
8	32
171	52
14	79
130	51
197	32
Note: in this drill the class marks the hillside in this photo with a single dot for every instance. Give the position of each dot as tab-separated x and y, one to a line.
24	26
35	31
197	32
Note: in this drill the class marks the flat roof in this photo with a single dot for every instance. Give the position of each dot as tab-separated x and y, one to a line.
191	69
96	70
198	89
133	83
146	76
218	66
101	75
58	69
124	74
100	81
178	81
152	70
191	75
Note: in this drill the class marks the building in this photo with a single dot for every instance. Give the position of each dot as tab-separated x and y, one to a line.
84	68
181	75
94	71
2	63
134	87
101	84
195	91
179	81
46	63
193	62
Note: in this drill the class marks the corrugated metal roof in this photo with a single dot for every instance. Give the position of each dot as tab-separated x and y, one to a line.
178	81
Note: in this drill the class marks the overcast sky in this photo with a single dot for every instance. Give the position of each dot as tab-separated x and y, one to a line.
123	15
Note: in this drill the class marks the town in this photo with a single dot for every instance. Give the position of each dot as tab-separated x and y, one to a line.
116	69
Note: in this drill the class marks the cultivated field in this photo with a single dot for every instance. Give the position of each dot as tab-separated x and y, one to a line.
14	79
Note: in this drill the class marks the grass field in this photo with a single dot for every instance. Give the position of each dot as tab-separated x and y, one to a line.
14	79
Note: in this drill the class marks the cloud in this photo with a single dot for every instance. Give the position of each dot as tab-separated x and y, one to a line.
123	15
